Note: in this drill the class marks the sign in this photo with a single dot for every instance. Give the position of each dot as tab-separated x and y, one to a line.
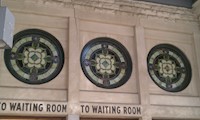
7	22
37	108
111	110
33	107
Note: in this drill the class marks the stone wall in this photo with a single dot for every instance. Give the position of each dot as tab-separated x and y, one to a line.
128	8
139	26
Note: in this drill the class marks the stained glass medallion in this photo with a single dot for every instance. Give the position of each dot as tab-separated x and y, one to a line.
169	68
106	63
36	57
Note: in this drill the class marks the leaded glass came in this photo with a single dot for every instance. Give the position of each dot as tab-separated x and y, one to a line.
169	68
106	63
36	57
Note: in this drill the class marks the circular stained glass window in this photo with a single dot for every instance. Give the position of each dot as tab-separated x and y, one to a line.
106	63
169	68
36	57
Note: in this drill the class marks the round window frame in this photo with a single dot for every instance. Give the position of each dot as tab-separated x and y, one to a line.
184	59
118	46
43	34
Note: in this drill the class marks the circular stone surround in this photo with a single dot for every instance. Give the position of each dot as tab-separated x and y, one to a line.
169	68
106	63
36	57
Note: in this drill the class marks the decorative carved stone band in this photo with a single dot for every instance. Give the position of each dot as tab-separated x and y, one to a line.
106	63
169	68
36	57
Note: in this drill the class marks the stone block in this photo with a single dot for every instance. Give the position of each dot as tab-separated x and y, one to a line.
123	13
148	12
110	6
142	5
126	8
163	14
107	11
107	1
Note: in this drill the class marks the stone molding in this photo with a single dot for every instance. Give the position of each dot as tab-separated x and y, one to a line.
125	7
